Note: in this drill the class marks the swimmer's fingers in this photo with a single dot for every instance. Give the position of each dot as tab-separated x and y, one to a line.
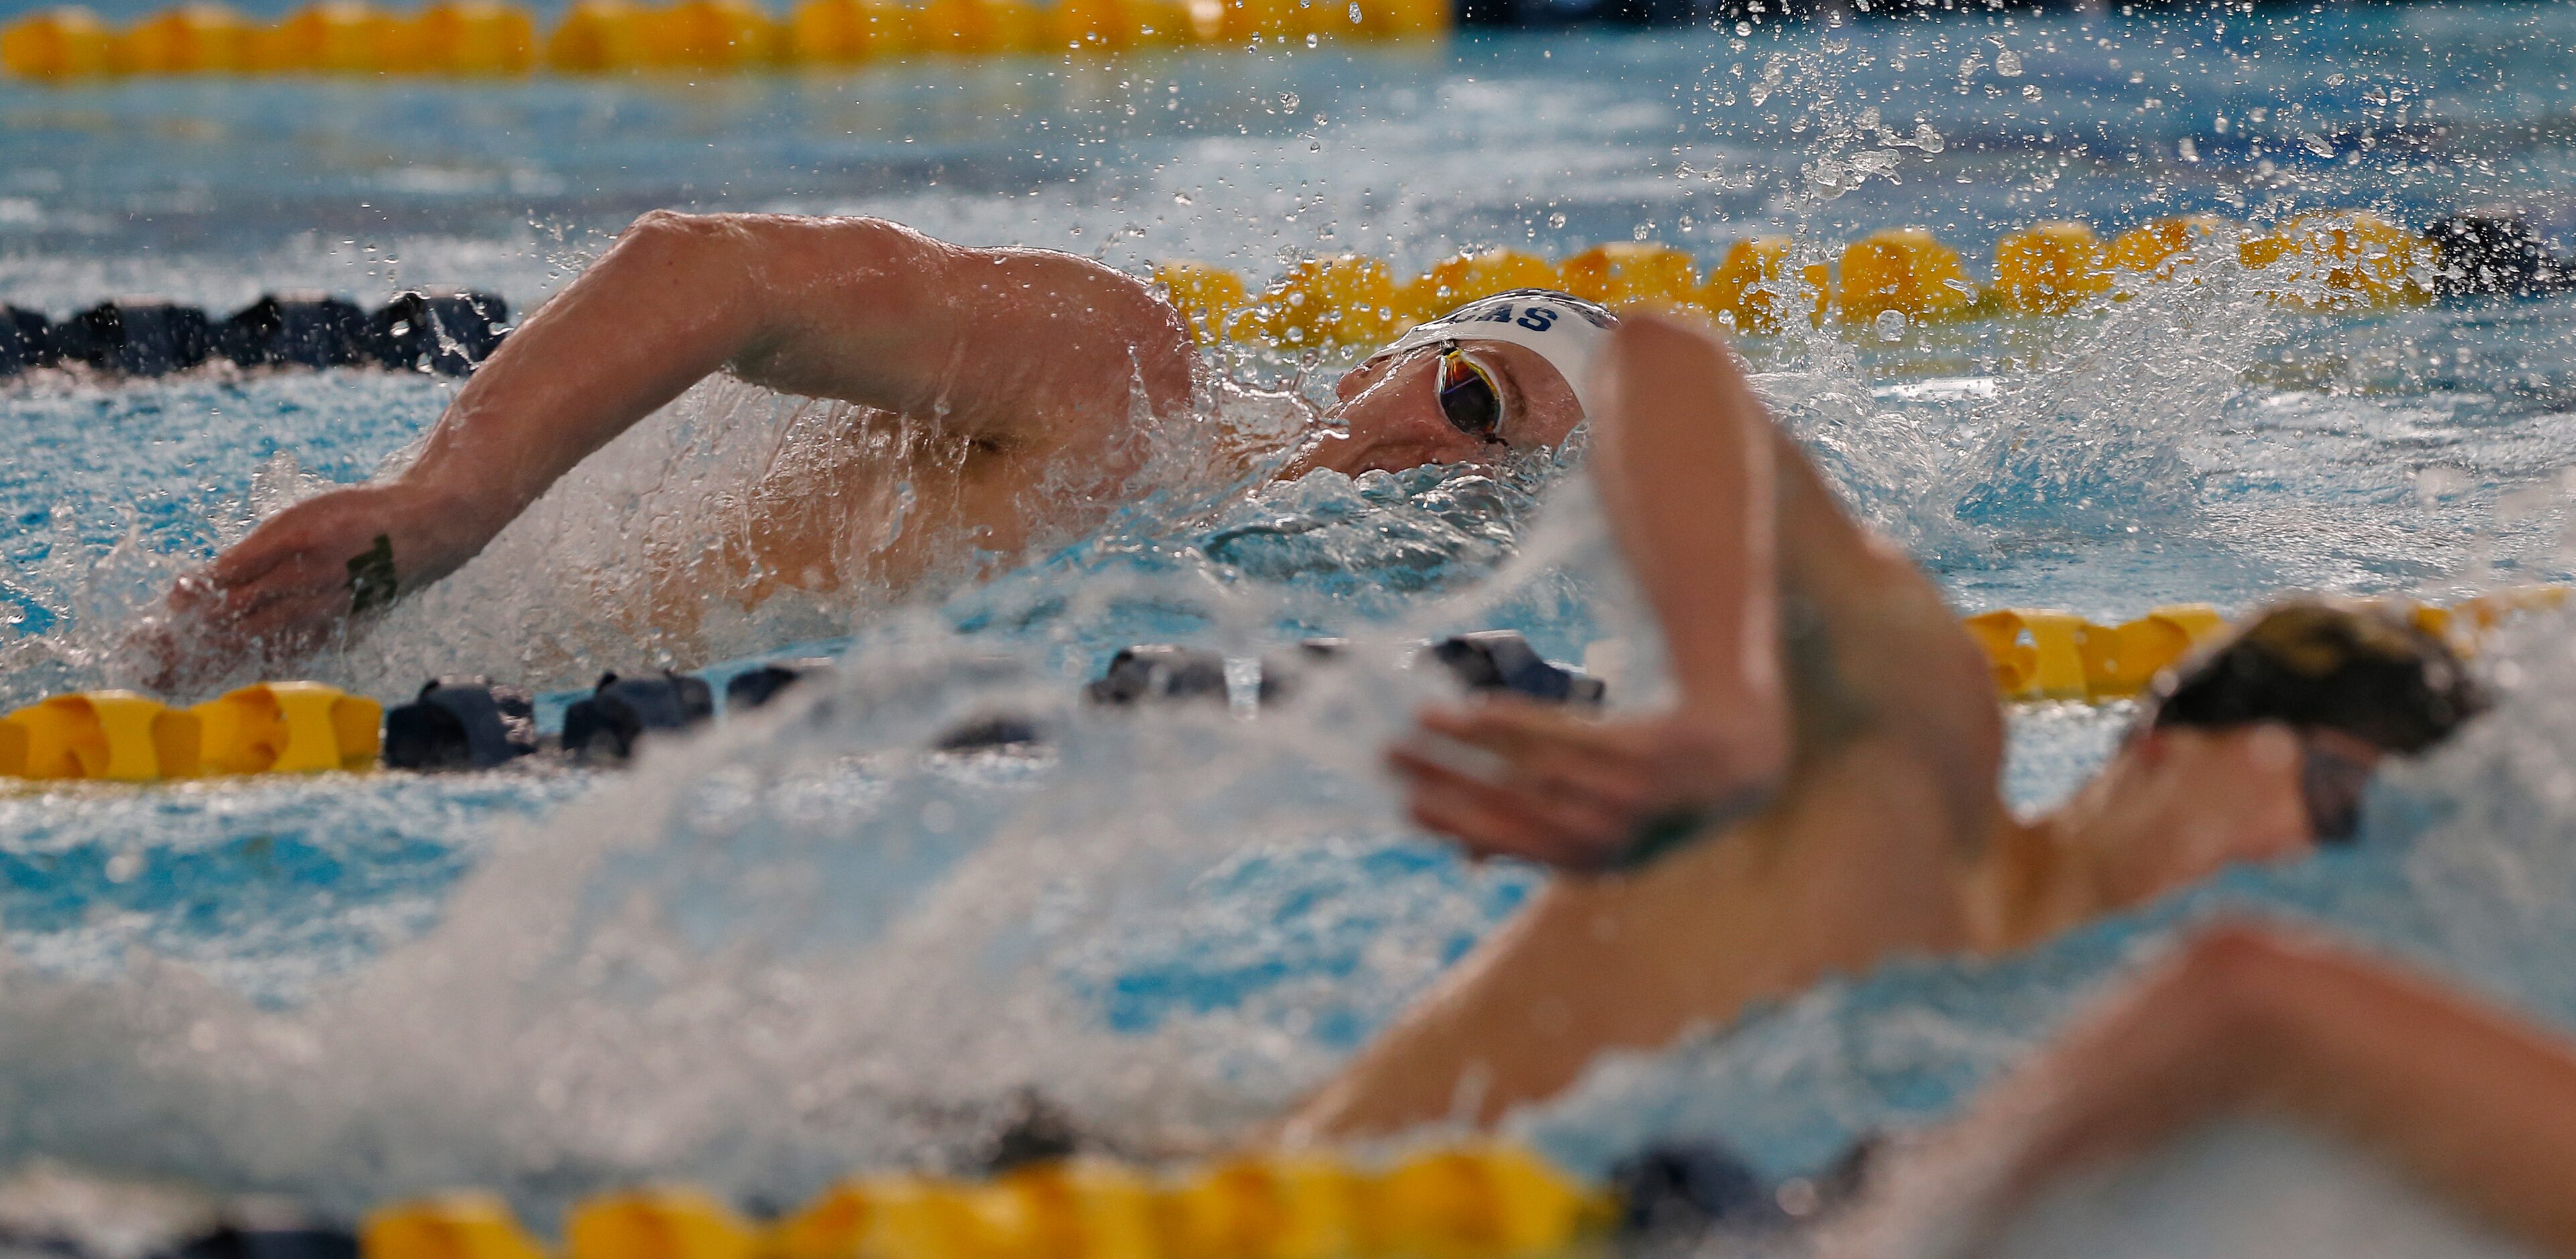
1511	818
1612	763
297	591
1513	726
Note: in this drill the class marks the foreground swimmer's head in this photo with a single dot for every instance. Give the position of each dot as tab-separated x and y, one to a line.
1507	372
2262	746
2352	683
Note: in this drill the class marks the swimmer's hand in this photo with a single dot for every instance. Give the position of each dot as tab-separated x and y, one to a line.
1577	792
290	586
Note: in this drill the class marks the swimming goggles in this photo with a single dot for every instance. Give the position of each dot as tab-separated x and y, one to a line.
1469	396
2332	785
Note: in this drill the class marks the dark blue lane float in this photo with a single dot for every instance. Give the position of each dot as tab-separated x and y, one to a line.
1500	661
443	331
461	723
1160	673
622	710
137	336
473	723
2495	256
1489	661
755	687
296	330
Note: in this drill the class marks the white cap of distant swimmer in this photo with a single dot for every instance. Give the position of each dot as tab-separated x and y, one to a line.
1564	329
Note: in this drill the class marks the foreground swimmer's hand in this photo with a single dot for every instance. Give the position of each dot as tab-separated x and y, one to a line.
1577	792
285	589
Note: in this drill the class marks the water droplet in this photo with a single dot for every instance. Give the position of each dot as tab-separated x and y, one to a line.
1891	325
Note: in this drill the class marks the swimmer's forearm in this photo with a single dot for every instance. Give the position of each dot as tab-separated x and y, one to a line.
2473	1102
661	310
1691	487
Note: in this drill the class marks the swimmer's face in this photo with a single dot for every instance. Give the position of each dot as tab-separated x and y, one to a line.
2179	802
1389	416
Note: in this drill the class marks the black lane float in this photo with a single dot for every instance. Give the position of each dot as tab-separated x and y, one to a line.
445	331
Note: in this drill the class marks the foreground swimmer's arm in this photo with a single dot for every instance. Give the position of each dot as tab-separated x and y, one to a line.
1849	865
2473	1103
1021	350
1686	458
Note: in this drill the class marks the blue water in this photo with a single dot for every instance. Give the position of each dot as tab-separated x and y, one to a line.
796	947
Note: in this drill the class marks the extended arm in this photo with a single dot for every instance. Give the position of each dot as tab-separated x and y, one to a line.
2471	1102
1017	348
1687	460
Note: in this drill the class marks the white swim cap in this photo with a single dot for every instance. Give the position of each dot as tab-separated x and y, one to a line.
1564	329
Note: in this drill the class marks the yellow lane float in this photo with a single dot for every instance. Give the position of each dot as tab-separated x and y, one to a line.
2339	262
113	735
1480	1202
1905	271
191	39
68	43
2057	656
491	37
2345	261
2152	252
271	728
1752	288
1627	273
2050	269
451	1226
1348	300
1465	277
2043	655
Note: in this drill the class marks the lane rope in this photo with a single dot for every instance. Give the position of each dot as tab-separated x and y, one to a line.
487	39
300	727
1886	283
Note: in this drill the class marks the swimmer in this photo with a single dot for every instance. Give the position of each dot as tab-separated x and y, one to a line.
1824	794
997	399
2474	1104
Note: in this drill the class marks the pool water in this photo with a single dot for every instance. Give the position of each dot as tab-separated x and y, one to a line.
796	946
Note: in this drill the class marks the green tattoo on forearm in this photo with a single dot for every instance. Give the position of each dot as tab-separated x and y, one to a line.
371	576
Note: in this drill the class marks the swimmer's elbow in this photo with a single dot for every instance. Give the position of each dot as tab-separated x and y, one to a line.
769	280
699	263
672	239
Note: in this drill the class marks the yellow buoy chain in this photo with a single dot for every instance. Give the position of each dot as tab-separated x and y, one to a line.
2349	260
489	38
274	727
1480	1202
2041	655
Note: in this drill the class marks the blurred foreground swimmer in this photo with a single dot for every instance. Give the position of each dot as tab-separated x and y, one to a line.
2471	1102
1824	793
1000	398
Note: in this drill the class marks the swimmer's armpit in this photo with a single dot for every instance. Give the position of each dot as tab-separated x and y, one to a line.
371	576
